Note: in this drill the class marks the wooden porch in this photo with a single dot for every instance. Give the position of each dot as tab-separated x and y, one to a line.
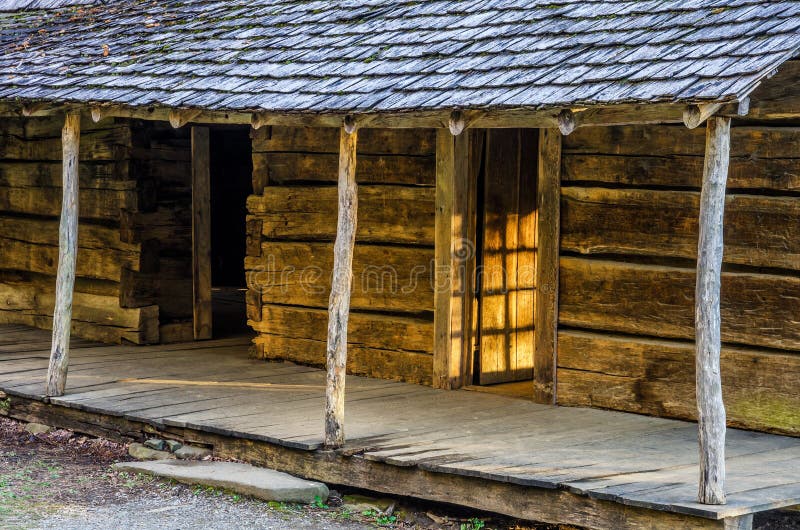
588	467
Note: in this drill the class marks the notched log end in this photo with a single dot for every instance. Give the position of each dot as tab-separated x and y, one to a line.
457	123
566	122
350	124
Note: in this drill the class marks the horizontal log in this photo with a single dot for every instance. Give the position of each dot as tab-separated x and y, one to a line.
98	204
32	245
780	174
282	168
50	126
668	140
759	231
94	317
371	330
378	346
326	140
384	278
105	144
657	377
386	214
658	301
172	227
623	114
96	175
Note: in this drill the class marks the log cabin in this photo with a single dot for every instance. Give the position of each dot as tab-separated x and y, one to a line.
576	203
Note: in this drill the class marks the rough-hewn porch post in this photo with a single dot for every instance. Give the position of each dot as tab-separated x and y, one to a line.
67	256
339	303
710	407
548	208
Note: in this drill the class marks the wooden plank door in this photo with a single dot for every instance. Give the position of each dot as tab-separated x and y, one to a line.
507	262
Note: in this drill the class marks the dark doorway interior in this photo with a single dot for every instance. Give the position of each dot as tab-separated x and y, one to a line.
231	183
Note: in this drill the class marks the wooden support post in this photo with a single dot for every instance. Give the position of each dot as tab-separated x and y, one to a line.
454	258
710	407
67	256
339	302
201	232
548	216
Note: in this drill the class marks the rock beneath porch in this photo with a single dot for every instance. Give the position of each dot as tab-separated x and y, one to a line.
266	484
189	452
140	452
37	428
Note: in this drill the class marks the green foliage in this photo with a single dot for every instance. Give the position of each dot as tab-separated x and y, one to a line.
5	405
473	524
319	503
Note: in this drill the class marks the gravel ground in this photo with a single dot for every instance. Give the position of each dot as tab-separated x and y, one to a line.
64	481
186	510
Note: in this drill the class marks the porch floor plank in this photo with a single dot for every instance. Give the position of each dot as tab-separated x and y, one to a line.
213	386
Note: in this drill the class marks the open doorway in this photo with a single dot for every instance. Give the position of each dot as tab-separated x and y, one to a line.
506	263
219	204
231	170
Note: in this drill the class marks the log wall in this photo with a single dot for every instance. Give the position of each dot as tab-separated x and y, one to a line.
123	226
629	206
291	227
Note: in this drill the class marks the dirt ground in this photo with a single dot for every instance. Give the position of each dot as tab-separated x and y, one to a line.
62	480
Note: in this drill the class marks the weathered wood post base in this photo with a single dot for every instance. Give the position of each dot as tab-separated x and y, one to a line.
67	256
339	303
710	407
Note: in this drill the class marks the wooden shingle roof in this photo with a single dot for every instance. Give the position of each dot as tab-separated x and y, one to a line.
379	55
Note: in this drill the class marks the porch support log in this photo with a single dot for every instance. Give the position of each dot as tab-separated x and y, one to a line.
548	208
454	253
67	256
710	407
339	302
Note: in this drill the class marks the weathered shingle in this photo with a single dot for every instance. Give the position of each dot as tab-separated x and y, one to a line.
376	55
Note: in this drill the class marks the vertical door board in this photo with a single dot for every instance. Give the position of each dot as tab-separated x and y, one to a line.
201	232
507	269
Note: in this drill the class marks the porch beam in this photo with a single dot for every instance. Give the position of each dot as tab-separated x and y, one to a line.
548	219
67	256
710	407
339	302
201	233
600	115
454	252
180	117
695	115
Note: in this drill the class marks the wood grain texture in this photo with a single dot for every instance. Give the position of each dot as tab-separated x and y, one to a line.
656	377
201	232
758	229
388	214
657	301
507	273
455	185
289	168
67	257
341	282
710	406
563	465
386	278
548	229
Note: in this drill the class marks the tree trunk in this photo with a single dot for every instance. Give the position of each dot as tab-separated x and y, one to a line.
710	407
339	304
67	257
